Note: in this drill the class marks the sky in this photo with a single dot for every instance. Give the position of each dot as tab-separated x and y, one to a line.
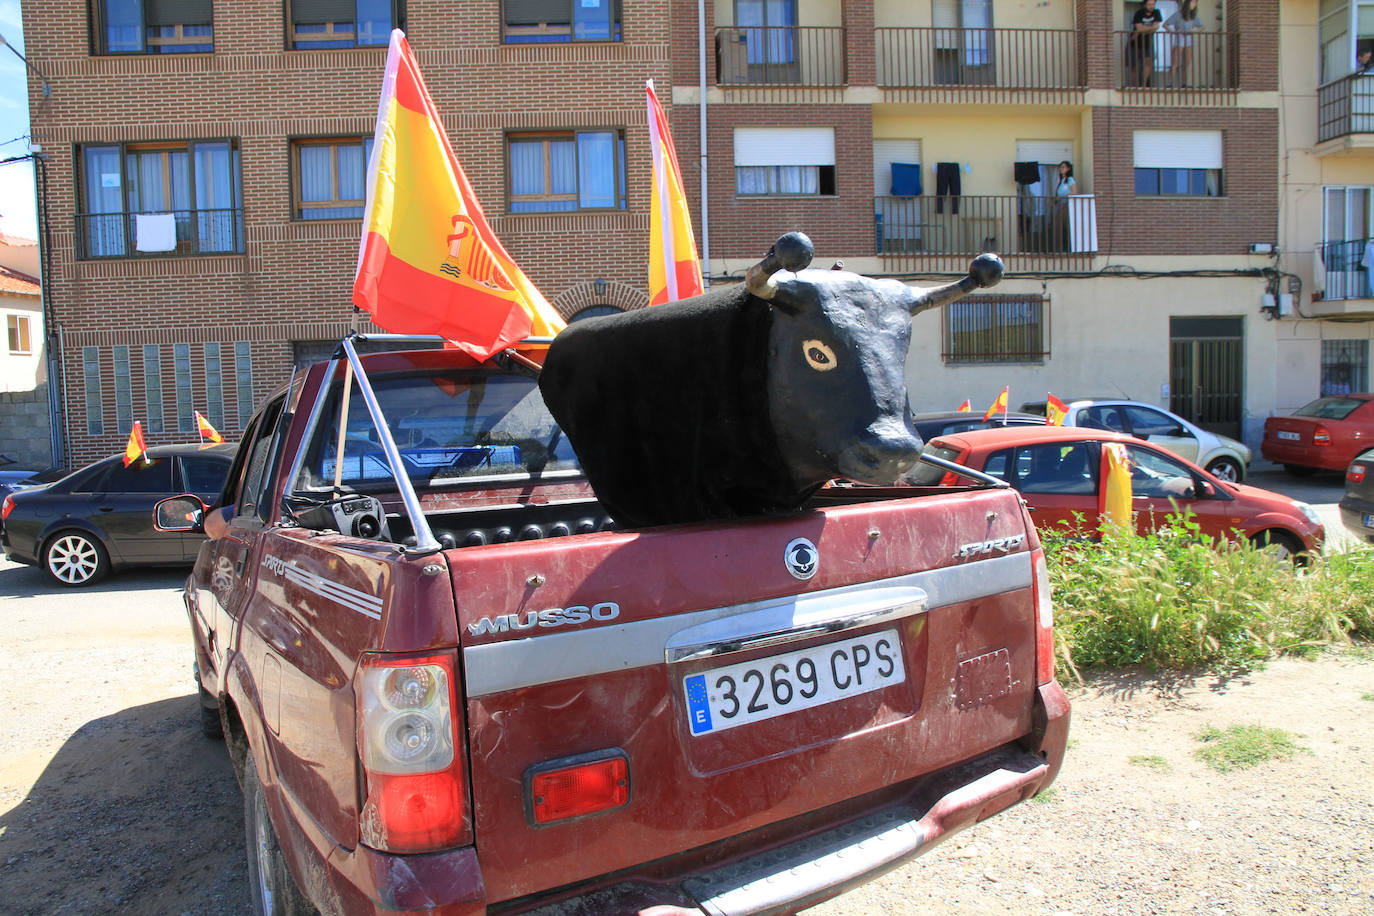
18	214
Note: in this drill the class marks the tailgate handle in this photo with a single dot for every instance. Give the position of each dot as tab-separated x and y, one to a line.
793	621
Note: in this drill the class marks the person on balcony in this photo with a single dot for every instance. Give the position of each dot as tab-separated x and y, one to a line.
1140	45
1364	62
1183	24
1063	186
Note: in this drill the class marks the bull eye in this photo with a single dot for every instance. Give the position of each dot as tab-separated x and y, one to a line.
818	355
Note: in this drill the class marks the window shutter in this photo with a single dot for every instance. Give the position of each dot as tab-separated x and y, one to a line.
533	12
784	146
323	10
177	12
1178	149
886	152
1045	152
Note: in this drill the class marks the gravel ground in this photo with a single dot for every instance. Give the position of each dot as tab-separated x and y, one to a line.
111	801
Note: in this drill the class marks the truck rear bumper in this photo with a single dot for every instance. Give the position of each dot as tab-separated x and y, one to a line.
780	879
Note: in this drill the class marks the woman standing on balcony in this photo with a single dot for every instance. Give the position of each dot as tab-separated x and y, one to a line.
1063	187
1183	24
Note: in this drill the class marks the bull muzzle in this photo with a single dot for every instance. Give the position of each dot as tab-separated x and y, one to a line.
793	252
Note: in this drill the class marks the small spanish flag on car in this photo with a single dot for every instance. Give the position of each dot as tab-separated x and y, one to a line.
999	405
964	407
206	430
1055	411
137	447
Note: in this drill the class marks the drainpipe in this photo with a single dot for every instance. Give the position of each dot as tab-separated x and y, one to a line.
705	206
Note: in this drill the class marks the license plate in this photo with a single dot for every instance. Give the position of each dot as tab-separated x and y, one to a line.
1285	434
764	688
1369	521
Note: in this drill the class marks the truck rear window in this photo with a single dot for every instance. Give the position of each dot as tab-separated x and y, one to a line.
448	424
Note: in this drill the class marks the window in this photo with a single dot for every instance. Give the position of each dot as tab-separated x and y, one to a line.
214	387
95	404
1346	230
124	394
784	161
329	178
316	24
146	476
151	26
1157	476
243	380
204	475
1058	467
161	199
577	170
997	329
181	359
152	386
529	21
1178	163
1345	366
1146	423
19	333
1338	20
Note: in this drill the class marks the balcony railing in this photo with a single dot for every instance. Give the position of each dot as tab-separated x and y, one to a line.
1001	58
174	233
1168	62
1343	266
780	56
1345	107
1009	224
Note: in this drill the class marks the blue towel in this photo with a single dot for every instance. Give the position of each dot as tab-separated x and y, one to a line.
906	180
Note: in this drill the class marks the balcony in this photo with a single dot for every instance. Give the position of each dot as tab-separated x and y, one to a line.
1345	107
805	56
1014	59
1341	268
1166	71
178	233
1041	228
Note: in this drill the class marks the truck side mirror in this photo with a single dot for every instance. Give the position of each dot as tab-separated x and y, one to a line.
179	513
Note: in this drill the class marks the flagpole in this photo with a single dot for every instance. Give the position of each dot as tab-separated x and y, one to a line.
343	424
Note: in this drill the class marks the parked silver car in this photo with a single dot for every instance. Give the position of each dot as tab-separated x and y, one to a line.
1357	506
1220	455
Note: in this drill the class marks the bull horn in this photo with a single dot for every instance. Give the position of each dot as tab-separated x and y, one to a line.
791	252
985	271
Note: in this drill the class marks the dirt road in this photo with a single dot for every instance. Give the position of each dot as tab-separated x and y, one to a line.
111	801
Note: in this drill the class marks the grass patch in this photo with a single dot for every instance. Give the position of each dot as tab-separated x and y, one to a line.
1046	797
1174	599
1242	746
1367	696
1152	761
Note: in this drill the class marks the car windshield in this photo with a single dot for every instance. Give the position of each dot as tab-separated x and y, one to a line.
929	475
448	424
1330	408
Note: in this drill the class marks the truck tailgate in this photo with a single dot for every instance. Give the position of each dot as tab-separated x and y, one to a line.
739	693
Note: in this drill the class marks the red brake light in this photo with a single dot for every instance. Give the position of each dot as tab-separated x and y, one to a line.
409	742
1044	619
1354	475
1321	436
563	792
8	507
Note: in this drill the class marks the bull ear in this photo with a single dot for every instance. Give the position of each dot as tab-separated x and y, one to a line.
986	270
791	252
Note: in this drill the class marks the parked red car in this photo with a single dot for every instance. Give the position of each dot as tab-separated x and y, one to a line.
1056	469
1326	434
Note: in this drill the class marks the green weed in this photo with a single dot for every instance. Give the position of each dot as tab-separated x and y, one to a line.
1242	746
1153	761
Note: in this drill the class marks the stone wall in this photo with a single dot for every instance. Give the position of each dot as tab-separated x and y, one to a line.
26	427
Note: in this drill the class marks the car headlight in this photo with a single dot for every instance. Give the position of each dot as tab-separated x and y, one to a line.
1308	511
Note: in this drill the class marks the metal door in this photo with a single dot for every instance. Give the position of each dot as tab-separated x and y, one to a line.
1206	372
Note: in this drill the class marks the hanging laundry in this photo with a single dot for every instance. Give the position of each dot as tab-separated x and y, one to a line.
906	179
1026	172
947	185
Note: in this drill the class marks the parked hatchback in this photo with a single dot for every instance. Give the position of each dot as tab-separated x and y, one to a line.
1221	456
1057	471
1357	506
1326	434
101	517
943	422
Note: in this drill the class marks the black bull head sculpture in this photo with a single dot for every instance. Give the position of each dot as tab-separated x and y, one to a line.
747	399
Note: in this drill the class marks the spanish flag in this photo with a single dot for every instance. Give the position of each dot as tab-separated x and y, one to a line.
999	405
206	430
1055	411
137	447
1115	496
428	262
674	269
964	407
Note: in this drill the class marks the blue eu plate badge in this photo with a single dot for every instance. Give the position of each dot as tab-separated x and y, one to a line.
698	707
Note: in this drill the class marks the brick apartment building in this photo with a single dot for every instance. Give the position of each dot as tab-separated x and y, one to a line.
205	164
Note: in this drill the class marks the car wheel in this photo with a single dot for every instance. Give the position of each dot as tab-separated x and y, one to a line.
75	558
273	890
1299	470
1281	545
1228	469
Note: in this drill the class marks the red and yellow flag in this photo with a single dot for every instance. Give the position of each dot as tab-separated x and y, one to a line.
428	262
1055	411
964	407
999	405
674	269
137	447
206	430
1115	495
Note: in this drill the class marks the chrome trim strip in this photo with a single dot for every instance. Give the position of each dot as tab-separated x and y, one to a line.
351	598
552	656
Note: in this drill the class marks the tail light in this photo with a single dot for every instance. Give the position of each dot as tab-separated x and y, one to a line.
1321	436
410	743
8	507
567	789
1044	619
1355	475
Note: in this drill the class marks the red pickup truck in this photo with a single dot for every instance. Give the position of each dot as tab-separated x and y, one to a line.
449	685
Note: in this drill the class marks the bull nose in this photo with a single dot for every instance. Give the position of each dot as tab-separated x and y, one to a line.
881	459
